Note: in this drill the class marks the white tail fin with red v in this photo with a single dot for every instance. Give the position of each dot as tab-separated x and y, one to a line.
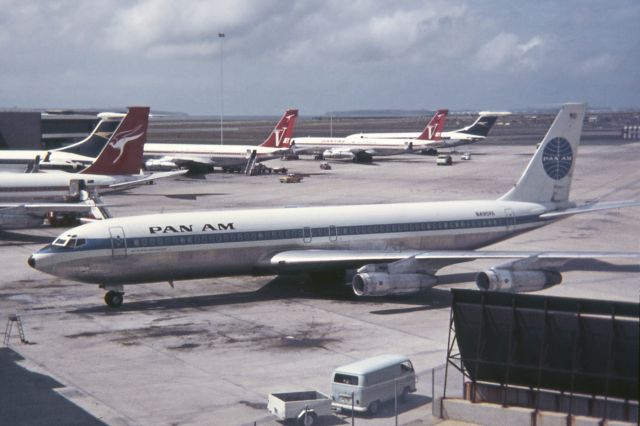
281	135
434	128
122	155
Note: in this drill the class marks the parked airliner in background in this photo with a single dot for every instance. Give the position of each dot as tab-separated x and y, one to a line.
362	150
200	158
73	157
393	248
474	132
26	198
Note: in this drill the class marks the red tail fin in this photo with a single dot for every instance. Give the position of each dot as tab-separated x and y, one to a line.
435	127
122	155
280	137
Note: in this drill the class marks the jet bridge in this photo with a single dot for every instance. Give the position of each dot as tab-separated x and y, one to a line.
574	356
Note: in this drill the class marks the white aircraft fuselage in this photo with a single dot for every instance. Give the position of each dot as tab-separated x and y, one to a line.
239	242
17	160
53	186
220	155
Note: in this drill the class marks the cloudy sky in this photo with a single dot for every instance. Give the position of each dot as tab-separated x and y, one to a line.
319	56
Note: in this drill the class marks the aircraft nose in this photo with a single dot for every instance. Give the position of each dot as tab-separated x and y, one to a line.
32	261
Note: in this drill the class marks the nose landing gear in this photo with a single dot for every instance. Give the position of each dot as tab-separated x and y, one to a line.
114	295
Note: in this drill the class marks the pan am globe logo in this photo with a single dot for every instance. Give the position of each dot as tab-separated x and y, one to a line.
557	158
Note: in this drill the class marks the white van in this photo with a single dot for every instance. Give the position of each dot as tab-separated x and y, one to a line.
372	382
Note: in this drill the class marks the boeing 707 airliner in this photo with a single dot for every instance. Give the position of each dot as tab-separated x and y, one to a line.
393	248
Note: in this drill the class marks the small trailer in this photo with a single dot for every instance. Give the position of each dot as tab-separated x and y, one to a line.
302	407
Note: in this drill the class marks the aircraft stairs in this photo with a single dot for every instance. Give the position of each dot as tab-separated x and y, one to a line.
251	162
7	332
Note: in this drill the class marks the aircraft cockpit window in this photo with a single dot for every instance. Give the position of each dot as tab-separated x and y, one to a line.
61	241
69	241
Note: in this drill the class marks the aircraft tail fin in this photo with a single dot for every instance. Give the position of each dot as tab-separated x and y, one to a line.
547	178
480	127
122	155
95	142
435	126
281	136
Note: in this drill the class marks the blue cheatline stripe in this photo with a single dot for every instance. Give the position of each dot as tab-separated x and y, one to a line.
299	233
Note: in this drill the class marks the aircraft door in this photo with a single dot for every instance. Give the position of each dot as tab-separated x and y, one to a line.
333	233
118	242
510	219
306	234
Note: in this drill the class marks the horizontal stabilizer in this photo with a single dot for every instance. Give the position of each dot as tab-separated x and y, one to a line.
149	178
591	207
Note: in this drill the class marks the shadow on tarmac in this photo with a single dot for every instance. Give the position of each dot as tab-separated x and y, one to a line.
28	398
301	287
387	410
288	287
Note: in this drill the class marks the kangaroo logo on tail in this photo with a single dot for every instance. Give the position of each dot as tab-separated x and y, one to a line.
123	154
122	139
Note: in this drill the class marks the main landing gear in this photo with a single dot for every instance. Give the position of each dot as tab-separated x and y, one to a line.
114	295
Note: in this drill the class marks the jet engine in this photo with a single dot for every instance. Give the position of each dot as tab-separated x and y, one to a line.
159	165
345	154
383	283
337	154
517	281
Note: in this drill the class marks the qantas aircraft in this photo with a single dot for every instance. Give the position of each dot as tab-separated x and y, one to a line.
73	157
27	197
393	248
475	132
362	150
203	158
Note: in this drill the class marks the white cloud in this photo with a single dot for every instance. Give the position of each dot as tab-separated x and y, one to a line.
326	55
598	64
505	51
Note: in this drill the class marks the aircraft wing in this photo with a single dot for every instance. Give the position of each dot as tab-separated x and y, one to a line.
185	161
293	260
148	178
591	207
43	208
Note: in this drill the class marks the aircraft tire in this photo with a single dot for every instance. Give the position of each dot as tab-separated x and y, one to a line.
113	299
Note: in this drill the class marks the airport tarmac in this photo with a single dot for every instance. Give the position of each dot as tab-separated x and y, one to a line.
210	351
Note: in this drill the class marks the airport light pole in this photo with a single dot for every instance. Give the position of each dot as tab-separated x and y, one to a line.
221	36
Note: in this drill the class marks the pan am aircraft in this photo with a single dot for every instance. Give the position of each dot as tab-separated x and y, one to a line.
393	248
362	150
200	158
27	197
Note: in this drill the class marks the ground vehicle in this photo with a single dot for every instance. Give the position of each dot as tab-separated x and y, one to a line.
305	407
291	178
325	166
366	384
465	156
444	160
